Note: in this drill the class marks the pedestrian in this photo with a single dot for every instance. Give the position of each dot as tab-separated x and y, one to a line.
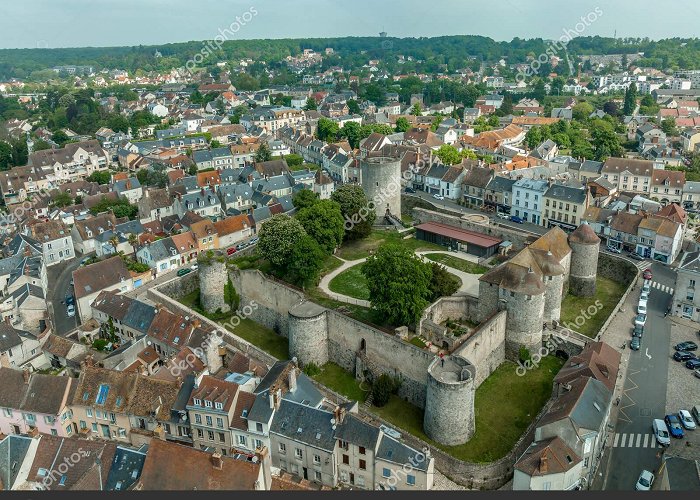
442	359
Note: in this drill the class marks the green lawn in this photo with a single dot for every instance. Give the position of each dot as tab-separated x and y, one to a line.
351	282
190	300
334	377
456	263
505	405
608	292
262	337
360	313
360	249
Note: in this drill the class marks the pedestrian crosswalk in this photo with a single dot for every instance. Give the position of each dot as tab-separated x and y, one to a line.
642	265
635	440
663	288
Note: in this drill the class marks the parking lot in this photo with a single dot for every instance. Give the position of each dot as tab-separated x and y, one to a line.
683	389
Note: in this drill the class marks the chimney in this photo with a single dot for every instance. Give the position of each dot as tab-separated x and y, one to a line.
265	461
341	415
217	461
543	464
25	375
90	361
272	400
293	379
160	432
278	399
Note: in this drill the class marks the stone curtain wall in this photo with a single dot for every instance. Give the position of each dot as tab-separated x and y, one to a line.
178	288
486	348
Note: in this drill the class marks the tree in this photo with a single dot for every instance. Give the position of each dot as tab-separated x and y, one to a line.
304	198
134	242
324	223
402	124
448	155
539	91
100	176
358	214
383	388
399	284
327	130
354	107
582	111
306	261
611	108
533	137
215	144
442	283
40	145
263	153
120	208
311	104
630	99
294	160
507	106
114	241
668	125
416	110
62	199
605	141
231	297
278	236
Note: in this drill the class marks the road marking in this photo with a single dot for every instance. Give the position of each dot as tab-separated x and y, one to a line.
639	440
636	440
646	440
662	288
647	352
617	438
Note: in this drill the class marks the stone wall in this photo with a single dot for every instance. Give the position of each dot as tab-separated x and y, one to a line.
519	238
213	277
617	269
178	288
486	347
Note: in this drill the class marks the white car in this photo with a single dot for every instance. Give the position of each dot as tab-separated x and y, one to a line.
686	420
644	296
70	310
642	307
661	432
504	215
646	287
640	320
194	267
438	197
646	479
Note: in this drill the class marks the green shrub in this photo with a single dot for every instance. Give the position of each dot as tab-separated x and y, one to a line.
524	354
312	369
383	388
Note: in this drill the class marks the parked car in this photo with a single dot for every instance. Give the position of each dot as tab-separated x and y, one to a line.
241	246
687	420
644	296
194	266
70	300
642	307
636	256
695	412
683	356
674	426
647	275
614	250
438	197
254	240
231	251
503	215
638	331
687	346
646	287
646	479
71	282
697	374
515	218
410	190
641	319
661	432
70	310
635	343
183	271
692	364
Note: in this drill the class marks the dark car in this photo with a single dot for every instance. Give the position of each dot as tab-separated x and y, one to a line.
636	256
70	300
182	272
515	218
686	346
410	190
674	426
638	331
647	273
683	356
692	364
635	344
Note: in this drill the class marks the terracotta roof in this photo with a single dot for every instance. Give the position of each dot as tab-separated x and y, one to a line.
626	222
533	120
50	230
598	360
193	469
210	178
244	402
584	234
549	456
459	234
673	212
231	224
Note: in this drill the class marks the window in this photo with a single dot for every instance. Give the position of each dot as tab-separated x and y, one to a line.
98	413
346	459
210	435
122	432
54	432
317	459
30	418
62	482
220	422
209	420
691	283
197	402
363	465
207	403
197	418
386	472
83	424
7	412
283	448
259	427
241	440
410	480
69	430
219	406
222	437
48	419
298	453
585	462
42	472
317	475
94	427
200	433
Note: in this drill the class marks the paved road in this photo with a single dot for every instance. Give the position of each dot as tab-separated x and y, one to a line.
451	205
644	395
59	277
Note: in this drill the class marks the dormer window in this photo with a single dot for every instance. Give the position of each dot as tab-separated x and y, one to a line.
207	403
219	406
197	402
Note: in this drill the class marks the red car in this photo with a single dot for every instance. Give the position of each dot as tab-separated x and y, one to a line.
231	251
647	274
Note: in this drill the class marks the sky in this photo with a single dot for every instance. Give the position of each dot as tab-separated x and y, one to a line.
81	23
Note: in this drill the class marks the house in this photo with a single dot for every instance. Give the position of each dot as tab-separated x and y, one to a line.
323	185
623	230
232	230
498	193
564	206
597	360
85	232
155	204
659	239
206	235
17	347
217	158
213	471
204	202
89	281
55	240
161	256
528	200
35	401
18	183
547	465
474	185
690	138
686	303
629	174
667	186
76	160
25	307
129	188
547	150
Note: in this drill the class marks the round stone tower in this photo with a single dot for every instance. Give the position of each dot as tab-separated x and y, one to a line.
585	246
553	275
308	334
449	401
213	275
381	181
525	308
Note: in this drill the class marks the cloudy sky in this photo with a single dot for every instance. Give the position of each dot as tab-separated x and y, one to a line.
77	23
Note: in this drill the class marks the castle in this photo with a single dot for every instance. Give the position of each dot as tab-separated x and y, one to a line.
515	299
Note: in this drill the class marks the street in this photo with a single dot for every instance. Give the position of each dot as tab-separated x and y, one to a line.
59	277
634	447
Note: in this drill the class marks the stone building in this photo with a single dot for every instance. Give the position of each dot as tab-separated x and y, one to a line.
381	182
